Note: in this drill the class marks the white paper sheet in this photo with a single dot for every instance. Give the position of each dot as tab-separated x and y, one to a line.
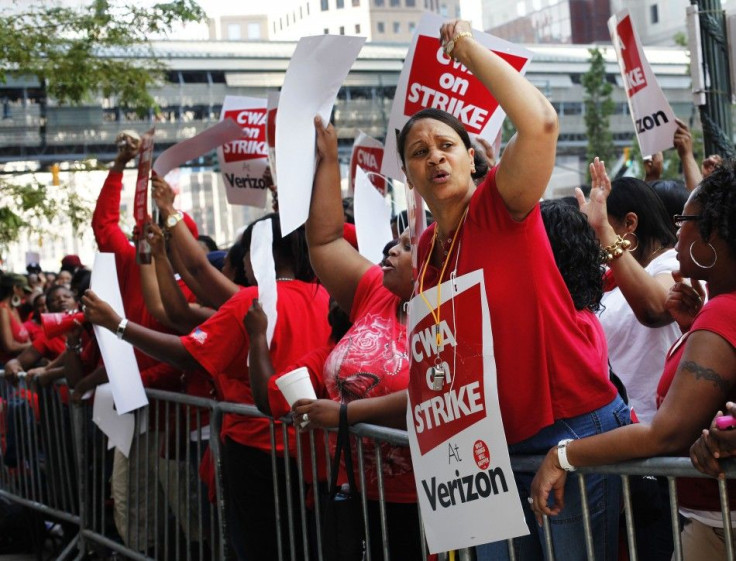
197	146
119	429
264	269
316	72
372	218
118	356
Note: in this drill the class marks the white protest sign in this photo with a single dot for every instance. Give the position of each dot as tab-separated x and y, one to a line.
367	154
467	493
243	162
654	120
372	219
317	69
118	356
430	78
264	269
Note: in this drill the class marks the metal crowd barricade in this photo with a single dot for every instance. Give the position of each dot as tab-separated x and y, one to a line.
64	471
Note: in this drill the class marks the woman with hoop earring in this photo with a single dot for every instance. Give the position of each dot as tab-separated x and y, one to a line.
638	237
699	375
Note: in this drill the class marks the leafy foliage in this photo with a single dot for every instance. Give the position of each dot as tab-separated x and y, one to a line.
598	109
77	54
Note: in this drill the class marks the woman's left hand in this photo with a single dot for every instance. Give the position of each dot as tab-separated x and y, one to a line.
550	477
452	29
99	312
320	413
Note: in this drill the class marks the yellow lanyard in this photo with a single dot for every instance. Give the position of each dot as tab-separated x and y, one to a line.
436	313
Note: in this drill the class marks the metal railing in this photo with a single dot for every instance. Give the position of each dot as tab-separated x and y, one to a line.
55	461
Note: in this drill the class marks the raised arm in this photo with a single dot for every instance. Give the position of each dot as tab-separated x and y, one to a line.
337	264
684	144
646	294
260	368
149	282
106	216
161	346
529	158
208	284
183	315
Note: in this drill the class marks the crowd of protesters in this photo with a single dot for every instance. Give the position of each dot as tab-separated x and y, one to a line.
612	333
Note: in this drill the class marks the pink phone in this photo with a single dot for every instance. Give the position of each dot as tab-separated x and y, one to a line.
725	422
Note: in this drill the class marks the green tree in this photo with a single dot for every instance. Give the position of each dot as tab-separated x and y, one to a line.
76	54
598	109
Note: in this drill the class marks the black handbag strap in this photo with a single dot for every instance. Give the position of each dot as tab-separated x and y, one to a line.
343	447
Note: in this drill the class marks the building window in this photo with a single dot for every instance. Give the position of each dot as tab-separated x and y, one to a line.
254	31
397	27
380	27
412	26
325	5
281	25
443	10
301	15
378	3
307	8
654	13
342	30
274	26
233	31
327	31
395	3
410	3
356	3
340	4
357	28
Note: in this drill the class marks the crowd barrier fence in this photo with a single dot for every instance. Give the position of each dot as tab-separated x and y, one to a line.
152	504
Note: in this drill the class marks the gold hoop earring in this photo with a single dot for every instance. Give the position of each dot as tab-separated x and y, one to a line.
631	248
715	256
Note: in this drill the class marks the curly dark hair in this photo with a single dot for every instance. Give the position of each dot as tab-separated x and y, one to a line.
291	249
717	197
578	254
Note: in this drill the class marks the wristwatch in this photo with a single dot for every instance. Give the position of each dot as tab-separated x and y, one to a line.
562	455
450	45
173	219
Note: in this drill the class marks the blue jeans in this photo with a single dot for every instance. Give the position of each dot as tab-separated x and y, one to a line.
603	493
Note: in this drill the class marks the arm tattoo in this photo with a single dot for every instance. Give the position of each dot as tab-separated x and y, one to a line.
707	374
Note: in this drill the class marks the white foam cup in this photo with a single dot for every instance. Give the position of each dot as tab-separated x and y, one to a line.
296	385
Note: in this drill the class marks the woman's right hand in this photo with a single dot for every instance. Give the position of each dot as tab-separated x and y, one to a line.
713	445
326	140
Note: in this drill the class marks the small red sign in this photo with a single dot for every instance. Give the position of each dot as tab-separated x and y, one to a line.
435	80
481	454
253	143
369	159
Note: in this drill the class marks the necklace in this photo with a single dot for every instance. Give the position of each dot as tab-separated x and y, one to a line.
436	312
284	279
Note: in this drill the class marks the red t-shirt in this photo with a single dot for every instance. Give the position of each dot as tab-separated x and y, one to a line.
34	329
17	330
717	317
371	360
548	358
220	345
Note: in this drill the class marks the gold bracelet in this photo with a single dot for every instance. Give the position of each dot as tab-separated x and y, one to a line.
616	249
449	47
